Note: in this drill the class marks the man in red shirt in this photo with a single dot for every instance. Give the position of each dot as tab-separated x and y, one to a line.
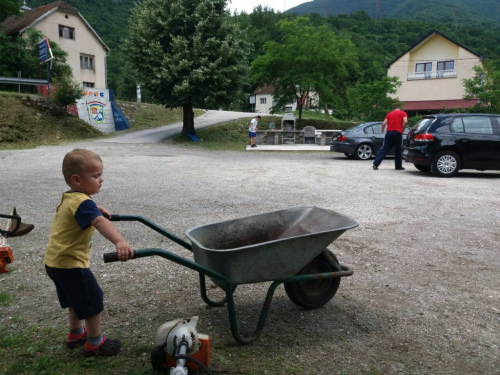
396	122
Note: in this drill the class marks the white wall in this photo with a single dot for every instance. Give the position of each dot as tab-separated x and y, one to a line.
95	108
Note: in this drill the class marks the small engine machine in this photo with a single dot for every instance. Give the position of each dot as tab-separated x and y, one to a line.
6	254
180	347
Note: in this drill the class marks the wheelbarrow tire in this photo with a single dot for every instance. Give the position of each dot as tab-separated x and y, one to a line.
314	293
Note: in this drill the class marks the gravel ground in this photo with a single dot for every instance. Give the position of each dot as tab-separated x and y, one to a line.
424	298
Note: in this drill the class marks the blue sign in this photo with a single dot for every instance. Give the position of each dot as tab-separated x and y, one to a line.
43	48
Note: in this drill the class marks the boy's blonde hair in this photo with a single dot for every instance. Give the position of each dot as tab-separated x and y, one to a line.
75	161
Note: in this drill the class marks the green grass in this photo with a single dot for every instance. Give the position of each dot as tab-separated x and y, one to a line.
22	126
25	127
316	115
41	351
5	299
231	135
153	115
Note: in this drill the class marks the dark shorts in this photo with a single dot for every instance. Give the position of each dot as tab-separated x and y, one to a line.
77	288
252	134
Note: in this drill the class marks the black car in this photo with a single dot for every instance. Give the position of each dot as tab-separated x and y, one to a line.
362	141
447	143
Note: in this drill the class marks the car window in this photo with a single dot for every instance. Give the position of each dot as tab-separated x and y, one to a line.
457	126
353	128
368	130
377	129
406	131
422	124
477	125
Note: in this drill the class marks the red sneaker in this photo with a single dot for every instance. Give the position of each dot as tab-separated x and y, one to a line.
106	348
74	341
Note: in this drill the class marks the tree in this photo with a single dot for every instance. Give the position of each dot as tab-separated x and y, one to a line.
306	59
485	86
9	8
22	54
187	53
66	92
371	101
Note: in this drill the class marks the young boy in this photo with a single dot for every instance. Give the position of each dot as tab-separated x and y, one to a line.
68	252
251	131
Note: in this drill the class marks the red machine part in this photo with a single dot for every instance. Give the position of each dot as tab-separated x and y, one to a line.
203	355
6	257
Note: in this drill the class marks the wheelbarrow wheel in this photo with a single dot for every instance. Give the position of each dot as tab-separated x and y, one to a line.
314	293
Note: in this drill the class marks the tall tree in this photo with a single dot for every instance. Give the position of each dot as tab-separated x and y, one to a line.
306	59
187	53
9	8
485	86
372	100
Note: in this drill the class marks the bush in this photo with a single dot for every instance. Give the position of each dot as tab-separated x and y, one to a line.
325	125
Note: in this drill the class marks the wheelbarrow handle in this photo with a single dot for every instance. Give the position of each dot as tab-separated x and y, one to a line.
154	227
113	257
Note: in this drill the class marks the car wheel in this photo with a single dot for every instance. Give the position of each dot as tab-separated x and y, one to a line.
363	152
423	168
350	156
445	164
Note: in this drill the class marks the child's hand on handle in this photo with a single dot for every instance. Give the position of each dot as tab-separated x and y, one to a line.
124	251
105	212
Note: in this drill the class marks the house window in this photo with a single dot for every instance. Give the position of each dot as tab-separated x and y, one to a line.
66	32
88	84
263	100
423	67
87	62
446	65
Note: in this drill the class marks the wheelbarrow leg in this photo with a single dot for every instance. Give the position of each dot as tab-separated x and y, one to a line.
262	319
203	290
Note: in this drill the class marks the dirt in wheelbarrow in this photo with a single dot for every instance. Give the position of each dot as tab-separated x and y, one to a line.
424	297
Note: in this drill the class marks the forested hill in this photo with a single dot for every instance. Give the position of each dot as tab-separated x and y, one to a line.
452	11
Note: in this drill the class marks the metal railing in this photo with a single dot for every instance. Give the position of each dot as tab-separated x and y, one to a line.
23	81
437	74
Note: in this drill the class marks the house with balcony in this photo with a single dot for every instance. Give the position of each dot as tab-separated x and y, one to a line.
432	73
65	25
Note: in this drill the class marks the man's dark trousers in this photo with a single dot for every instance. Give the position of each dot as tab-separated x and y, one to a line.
392	139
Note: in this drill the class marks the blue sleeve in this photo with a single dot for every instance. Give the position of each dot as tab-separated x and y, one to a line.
86	212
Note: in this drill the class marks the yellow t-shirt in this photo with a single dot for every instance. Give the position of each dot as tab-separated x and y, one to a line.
71	235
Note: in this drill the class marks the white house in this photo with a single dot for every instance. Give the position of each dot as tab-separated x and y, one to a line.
432	73
65	25
264	99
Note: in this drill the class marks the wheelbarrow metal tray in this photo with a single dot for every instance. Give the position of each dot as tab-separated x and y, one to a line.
269	246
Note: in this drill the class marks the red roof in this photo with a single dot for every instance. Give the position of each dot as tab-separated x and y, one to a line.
264	90
14	24
438	104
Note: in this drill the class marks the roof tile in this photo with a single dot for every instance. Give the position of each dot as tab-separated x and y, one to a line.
14	24
438	104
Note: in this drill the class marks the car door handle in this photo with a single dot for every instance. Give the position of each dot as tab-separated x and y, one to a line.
373	137
463	139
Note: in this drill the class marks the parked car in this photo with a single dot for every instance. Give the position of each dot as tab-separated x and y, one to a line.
447	143
361	142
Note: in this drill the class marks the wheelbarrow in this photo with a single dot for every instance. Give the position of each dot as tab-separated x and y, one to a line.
286	247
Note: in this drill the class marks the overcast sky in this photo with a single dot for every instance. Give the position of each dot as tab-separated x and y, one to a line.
248	5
